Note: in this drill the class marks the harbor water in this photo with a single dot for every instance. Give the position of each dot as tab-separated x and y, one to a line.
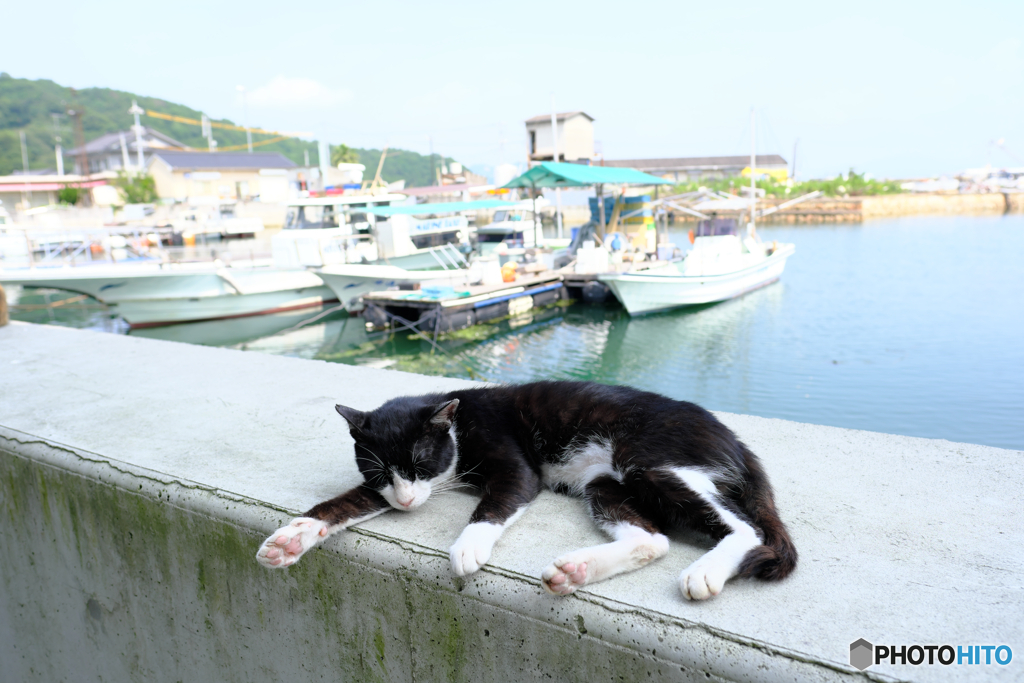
909	326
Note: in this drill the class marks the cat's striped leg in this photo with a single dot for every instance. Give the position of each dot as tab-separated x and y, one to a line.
285	546
696	489
637	541
505	499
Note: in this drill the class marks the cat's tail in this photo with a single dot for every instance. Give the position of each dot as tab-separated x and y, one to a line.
776	558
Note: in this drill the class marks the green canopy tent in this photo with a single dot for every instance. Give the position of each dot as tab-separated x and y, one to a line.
561	174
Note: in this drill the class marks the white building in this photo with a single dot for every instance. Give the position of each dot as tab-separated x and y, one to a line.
106	152
575	137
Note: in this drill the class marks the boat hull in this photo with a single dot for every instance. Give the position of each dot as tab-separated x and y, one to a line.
123	281
642	293
141	313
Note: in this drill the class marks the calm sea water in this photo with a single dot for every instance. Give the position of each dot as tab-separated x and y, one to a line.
911	326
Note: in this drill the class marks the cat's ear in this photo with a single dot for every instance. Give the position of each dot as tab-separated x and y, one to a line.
356	418
444	415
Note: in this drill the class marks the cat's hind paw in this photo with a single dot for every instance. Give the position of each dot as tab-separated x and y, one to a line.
286	545
564	576
703	579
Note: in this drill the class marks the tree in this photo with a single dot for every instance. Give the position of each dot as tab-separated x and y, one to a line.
343	154
136	189
69	195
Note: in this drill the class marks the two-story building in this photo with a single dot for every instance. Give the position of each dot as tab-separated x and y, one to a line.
108	152
575	137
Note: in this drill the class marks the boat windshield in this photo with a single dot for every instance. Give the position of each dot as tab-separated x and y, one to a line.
436	239
506	215
716	226
494	237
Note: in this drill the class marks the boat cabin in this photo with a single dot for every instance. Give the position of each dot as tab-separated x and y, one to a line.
513	226
324	213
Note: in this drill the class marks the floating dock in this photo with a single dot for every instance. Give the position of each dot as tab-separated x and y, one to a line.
418	311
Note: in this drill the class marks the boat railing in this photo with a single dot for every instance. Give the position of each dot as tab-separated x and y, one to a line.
448	257
43	247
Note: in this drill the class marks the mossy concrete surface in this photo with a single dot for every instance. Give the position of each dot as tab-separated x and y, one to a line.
138	478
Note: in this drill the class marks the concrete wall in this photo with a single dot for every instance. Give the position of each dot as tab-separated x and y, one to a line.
138	477
832	209
905	204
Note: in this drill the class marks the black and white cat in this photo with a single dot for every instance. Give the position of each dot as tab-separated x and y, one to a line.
645	464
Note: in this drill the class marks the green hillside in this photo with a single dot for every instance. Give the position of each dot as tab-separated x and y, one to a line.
28	105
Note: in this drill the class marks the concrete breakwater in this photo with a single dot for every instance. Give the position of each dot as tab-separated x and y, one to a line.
135	492
844	209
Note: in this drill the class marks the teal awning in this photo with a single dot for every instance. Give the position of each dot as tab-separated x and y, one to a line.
561	174
436	208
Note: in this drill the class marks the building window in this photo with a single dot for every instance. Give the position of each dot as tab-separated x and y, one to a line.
533	142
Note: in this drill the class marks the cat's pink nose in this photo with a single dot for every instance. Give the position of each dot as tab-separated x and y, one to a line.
406	503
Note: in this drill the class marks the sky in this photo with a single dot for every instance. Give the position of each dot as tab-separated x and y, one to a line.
895	89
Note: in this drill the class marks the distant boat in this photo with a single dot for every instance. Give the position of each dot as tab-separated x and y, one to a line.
720	266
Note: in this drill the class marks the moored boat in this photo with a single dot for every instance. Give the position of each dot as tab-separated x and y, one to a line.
720	266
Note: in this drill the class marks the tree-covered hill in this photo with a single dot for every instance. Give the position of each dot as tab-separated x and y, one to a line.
29	105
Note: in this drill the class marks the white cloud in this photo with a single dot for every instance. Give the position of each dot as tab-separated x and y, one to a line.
283	92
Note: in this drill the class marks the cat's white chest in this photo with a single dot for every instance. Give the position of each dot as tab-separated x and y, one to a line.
581	465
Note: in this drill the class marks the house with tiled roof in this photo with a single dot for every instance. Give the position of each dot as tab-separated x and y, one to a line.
108	152
198	177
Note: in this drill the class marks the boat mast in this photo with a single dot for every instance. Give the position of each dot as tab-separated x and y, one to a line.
753	187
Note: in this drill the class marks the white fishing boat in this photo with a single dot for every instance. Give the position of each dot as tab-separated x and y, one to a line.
148	293
109	282
513	227
324	231
230	294
720	266
351	281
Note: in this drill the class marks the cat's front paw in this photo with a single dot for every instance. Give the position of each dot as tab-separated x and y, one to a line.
473	549
703	579
286	545
563	576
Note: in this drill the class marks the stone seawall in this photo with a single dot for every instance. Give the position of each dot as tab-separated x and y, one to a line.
138	478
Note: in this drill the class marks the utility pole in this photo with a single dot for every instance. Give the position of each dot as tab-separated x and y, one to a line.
433	164
24	163
137	111
558	190
245	113
57	149
77	114
324	154
207	131
792	169
124	153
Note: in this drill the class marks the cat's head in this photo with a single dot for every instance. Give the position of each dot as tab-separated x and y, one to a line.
405	448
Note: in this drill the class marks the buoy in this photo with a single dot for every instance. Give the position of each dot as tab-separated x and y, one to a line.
508	272
690	235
